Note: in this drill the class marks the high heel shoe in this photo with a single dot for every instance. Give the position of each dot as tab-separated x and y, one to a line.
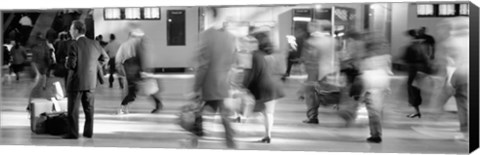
265	140
415	115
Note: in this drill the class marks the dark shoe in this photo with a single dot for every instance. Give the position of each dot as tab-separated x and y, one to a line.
266	140
374	140
231	145
311	121
87	136
155	111
415	115
69	137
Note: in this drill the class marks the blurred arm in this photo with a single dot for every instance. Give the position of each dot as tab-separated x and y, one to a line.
203	62
103	59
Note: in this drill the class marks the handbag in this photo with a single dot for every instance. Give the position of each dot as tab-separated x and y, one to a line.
148	86
56	123
188	116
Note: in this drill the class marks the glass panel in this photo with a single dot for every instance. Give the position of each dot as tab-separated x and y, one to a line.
112	13
446	9
464	9
425	9
132	13
151	13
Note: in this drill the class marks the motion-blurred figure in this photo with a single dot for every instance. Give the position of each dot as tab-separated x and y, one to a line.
61	53
112	49
456	48
259	80
293	57
417	58
240	100
129	63
42	58
375	68
19	57
215	57
319	60
99	38
351	93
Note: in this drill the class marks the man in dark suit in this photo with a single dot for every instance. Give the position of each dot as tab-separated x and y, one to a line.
83	61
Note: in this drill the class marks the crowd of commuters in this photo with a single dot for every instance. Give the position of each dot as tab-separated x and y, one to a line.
361	76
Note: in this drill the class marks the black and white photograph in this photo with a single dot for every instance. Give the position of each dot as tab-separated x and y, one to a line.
324	77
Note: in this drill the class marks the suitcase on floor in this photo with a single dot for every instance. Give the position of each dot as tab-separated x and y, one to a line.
39	106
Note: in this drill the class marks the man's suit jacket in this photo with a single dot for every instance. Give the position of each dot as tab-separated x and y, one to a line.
215	58
84	61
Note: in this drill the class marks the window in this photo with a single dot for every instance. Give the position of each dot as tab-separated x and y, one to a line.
442	10
464	10
151	13
132	13
446	9
112	13
176	27
425	10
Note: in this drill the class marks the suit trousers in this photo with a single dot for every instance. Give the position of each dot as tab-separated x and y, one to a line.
87	99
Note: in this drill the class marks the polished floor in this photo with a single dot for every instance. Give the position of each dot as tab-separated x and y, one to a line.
140	129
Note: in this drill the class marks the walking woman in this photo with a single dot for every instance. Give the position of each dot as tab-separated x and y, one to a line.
417	60
260	82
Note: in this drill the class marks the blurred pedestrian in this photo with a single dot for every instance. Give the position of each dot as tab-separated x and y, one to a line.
319	60
417	59
456	48
102	43
215	57
293	57
61	52
111	50
375	69
260	82
129	63
19	57
41	57
351	93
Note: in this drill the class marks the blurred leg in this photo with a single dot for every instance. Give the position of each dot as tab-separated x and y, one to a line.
374	103
461	96
224	113
130	97
312	101
269	117
158	102
414	94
